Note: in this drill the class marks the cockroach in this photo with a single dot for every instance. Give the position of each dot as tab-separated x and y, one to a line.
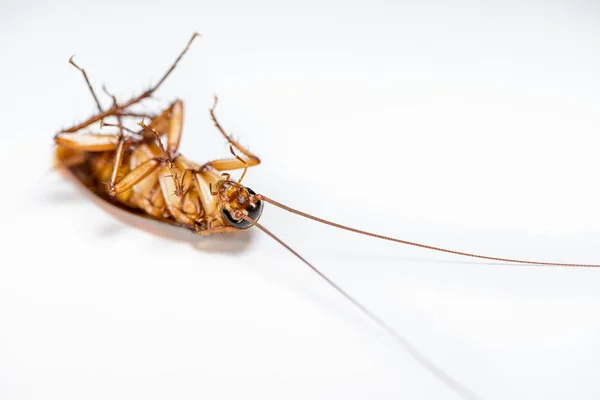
135	171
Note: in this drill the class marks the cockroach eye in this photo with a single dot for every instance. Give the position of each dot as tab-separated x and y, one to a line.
254	211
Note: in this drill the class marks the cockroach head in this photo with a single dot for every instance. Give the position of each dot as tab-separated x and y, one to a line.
237	200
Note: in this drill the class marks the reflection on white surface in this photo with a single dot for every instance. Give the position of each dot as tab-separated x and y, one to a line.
457	124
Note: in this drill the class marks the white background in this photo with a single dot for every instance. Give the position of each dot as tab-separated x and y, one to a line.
457	124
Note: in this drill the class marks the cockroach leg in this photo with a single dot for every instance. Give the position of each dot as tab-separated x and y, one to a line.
166	75
240	159
251	159
204	182
159	123
228	164
175	127
179	182
191	203
168	185
133	177
91	142
88	83
170	122
157	138
117	163
117	113
103	124
138	115
173	137
181	189
134	100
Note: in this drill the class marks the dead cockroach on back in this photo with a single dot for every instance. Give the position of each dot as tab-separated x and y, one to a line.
135	171
138	173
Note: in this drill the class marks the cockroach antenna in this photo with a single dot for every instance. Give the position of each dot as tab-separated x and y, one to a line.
414	244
